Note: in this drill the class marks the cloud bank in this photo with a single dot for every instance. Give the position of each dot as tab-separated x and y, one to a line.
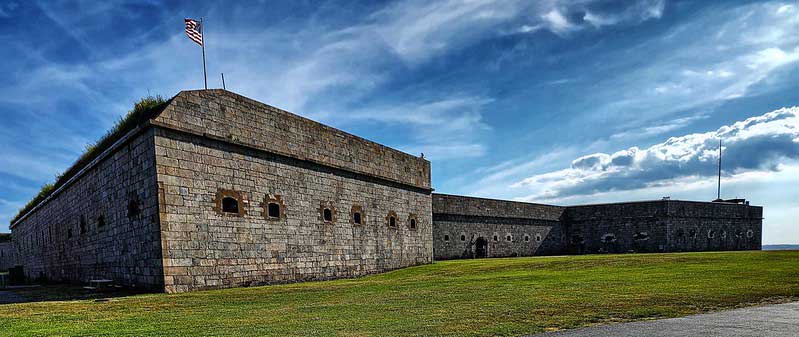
758	143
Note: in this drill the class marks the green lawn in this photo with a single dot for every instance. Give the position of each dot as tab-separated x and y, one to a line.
486	297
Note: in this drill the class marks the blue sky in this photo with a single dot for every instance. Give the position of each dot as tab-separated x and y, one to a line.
561	102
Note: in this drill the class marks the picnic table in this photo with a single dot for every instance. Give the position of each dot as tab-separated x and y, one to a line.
99	284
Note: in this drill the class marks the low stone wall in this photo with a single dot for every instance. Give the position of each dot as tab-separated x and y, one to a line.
468	227
662	226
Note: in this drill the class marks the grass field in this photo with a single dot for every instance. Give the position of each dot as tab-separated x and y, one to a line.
486	297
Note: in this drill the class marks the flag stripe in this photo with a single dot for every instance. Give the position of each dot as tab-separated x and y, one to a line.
194	31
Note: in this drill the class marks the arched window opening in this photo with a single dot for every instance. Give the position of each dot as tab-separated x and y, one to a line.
526	238
230	205
538	237
273	210
357	216
446	237
496	237
463	237
273	207
327	215
508	238
391	219
411	221
133	207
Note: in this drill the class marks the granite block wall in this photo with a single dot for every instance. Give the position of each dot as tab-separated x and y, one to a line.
466	227
460	223
8	255
102	225
662	226
223	115
263	155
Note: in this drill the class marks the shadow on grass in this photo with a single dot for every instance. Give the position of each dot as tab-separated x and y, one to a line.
61	292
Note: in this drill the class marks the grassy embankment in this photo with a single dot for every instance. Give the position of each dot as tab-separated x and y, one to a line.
453	298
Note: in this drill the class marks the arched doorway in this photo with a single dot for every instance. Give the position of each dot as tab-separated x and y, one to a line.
480	248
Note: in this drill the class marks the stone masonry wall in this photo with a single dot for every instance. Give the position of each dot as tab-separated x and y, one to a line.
8	255
466	227
641	227
204	248
662	226
91	230
223	115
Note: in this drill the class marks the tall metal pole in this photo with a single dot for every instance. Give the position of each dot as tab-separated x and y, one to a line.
202	32
223	81
718	193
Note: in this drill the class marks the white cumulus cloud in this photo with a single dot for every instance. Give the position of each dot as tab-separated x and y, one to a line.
756	144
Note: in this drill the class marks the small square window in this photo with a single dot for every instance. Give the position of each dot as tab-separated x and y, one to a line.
327	215
508	238
229	202
273	207
230	205
273	210
446	237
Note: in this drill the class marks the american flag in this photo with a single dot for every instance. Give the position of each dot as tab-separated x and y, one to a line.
194	30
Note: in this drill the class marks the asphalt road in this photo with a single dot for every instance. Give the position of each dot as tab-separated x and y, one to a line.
768	321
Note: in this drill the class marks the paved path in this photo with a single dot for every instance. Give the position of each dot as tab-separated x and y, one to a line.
768	321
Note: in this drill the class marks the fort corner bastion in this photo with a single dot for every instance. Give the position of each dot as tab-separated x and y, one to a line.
215	190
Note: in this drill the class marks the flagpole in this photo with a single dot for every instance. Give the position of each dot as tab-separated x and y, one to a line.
718	191
202	32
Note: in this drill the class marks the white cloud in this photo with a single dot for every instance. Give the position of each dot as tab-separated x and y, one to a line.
716	56
757	144
444	128
785	9
598	20
557	23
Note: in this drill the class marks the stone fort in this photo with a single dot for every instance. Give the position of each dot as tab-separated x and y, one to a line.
215	190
